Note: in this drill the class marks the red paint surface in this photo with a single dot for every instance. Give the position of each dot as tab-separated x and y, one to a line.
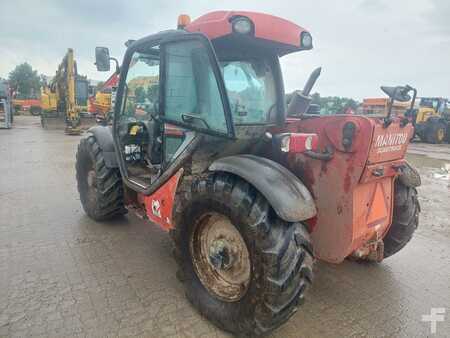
344	187
26	104
159	205
268	27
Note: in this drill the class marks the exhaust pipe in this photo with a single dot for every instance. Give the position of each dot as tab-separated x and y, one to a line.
311	81
301	100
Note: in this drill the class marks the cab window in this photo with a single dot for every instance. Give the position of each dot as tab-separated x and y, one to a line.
192	95
251	91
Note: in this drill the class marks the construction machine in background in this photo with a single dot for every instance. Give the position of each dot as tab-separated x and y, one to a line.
432	120
32	104
6	108
64	100
101	102
380	106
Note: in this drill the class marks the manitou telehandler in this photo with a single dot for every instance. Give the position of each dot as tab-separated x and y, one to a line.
250	190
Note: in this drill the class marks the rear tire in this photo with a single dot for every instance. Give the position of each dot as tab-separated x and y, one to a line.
405	219
281	257
100	187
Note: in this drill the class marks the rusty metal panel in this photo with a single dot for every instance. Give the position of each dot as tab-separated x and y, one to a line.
349	197
372	211
389	143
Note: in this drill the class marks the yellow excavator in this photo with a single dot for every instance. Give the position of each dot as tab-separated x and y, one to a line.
432	120
64	100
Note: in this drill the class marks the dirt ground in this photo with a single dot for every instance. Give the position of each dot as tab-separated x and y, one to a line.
62	274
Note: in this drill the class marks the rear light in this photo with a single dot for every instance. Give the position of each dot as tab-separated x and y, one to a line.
298	142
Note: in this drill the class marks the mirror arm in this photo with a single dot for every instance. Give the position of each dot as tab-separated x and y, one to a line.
387	119
413	101
117	64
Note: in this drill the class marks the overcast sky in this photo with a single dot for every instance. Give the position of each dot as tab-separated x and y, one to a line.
361	44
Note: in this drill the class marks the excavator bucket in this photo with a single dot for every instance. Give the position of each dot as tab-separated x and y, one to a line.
56	121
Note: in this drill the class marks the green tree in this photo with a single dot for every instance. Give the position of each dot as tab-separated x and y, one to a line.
24	80
334	104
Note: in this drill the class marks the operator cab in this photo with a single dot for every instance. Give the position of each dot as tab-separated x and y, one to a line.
214	76
437	104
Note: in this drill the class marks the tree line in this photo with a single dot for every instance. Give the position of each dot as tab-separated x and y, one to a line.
26	82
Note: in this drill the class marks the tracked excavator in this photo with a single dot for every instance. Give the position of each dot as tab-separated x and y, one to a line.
64	100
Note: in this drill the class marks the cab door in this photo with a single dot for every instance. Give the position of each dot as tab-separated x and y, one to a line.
171	91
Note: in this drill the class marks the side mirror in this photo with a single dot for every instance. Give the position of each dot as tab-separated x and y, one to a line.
102	59
399	93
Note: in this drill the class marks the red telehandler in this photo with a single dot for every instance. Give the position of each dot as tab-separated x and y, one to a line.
252	192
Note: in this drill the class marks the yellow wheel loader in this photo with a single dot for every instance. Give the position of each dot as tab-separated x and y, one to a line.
432	120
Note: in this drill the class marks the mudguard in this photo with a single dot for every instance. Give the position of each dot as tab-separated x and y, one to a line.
105	141
409	176
287	195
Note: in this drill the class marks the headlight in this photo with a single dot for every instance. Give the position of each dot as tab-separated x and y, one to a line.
242	25
306	40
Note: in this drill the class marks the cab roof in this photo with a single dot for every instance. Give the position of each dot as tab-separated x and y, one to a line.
270	32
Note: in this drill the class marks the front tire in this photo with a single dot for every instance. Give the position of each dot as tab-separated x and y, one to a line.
279	253
405	219
100	187
436	132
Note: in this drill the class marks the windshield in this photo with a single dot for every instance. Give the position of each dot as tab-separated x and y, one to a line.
430	103
251	91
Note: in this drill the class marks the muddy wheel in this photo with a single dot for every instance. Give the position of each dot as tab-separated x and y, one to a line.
100	188
243	268
405	219
436	132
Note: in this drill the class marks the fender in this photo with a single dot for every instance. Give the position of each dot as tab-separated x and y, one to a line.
287	195
105	141
409	176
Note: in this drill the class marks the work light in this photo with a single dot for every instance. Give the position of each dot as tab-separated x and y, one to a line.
242	25
306	40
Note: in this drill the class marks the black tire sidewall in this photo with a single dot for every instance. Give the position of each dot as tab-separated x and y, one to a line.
404	220
85	159
432	132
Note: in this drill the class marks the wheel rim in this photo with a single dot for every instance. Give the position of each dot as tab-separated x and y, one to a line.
220	257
